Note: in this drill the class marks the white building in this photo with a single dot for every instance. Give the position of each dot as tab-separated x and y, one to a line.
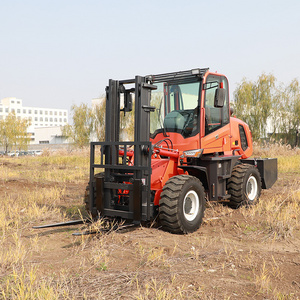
49	135
39	117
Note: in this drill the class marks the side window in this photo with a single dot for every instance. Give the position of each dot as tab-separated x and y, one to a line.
215	117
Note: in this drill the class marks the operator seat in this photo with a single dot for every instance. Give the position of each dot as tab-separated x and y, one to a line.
174	121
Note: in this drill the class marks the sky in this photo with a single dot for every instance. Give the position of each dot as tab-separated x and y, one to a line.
55	54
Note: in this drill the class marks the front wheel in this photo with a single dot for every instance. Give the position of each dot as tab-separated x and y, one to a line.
244	185
182	204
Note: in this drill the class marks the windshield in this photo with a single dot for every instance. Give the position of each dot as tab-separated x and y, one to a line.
177	108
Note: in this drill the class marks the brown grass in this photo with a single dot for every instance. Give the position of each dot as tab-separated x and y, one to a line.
275	149
236	254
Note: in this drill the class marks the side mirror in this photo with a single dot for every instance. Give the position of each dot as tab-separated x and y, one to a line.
220	96
127	102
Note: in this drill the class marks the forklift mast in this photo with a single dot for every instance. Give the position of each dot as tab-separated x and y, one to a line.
123	189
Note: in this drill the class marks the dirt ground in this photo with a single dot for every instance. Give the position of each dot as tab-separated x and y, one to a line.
231	256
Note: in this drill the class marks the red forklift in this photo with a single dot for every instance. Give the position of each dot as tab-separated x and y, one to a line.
187	149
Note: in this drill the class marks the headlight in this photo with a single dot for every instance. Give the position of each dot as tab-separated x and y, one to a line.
193	153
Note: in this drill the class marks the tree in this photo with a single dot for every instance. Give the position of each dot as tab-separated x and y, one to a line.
13	132
254	103
90	122
99	115
263	104
289	113
23	138
83	124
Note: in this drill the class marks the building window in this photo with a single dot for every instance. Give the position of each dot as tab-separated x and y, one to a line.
24	111
55	113
44	142
6	110
12	110
29	111
41	119
41	112
18	102
65	113
51	113
30	119
59	119
18	111
65	119
46	112
51	119
1	109
35	112
46	119
12	101
35	119
60	113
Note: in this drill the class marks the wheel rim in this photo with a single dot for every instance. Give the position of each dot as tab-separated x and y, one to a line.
191	205
251	188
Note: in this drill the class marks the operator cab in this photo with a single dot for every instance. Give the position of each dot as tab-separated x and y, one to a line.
178	105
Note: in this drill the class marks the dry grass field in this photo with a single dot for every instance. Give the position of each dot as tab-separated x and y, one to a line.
248	253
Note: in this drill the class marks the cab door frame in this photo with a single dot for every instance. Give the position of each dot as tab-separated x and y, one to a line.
215	121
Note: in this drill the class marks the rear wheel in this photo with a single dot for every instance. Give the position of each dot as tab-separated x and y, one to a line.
182	204
244	185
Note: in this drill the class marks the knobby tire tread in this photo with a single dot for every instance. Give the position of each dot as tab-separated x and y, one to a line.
168	211
235	185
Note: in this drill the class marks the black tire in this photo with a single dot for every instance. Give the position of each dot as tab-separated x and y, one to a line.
244	185
182	204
